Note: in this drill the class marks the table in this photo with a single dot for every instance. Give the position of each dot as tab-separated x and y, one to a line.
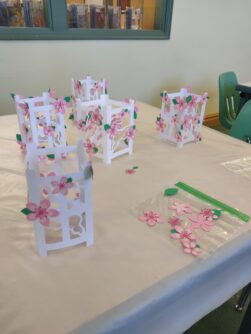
131	280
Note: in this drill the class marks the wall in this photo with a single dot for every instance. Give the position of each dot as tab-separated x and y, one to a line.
208	37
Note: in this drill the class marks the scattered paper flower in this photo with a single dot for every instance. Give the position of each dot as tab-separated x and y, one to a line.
40	212
90	147
174	221
151	218
191	247
183	234
180	207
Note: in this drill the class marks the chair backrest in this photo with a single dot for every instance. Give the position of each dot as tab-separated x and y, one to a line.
229	99
241	127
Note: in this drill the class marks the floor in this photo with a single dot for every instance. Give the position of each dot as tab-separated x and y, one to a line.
225	319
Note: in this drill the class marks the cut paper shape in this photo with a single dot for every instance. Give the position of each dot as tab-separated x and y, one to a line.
181	117
131	170
191	247
63	186
174	221
151	218
107	127
180	208
170	191
183	233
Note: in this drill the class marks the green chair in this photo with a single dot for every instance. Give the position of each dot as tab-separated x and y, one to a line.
229	99
241	127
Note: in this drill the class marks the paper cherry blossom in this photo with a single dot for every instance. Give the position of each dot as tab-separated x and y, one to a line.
174	221
90	147
191	247
130	133
201	222
183	234
161	125
131	170
40	212
151	218
62	186
180	208
25	108
180	103
210	214
60	105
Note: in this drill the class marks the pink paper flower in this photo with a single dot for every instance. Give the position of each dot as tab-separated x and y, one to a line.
181	104
201	222
174	119
204	98
174	221
130	133
180	207
49	130
187	121
25	108
22	146
130	171
182	234
193	103
161	125
80	125
151	218
166	99
191	247
60	105
41	212
90	147
62	186
208	214
97	117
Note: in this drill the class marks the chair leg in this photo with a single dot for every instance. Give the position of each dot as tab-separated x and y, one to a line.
243	297
245	327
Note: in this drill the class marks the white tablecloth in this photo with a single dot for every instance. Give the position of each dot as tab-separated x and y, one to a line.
131	280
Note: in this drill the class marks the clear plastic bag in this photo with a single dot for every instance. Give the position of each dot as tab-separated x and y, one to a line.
203	225
239	166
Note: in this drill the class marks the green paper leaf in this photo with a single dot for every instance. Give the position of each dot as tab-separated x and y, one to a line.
126	141
134	126
175	101
135	115
51	156
105	91
95	150
100	122
18	137
71	116
30	97
69	180
125	110
161	94
135	167
173	230
13	95
67	99
26	211
106	127
188	99
217	213
65	127
170	191
182	126
158	119
197	246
